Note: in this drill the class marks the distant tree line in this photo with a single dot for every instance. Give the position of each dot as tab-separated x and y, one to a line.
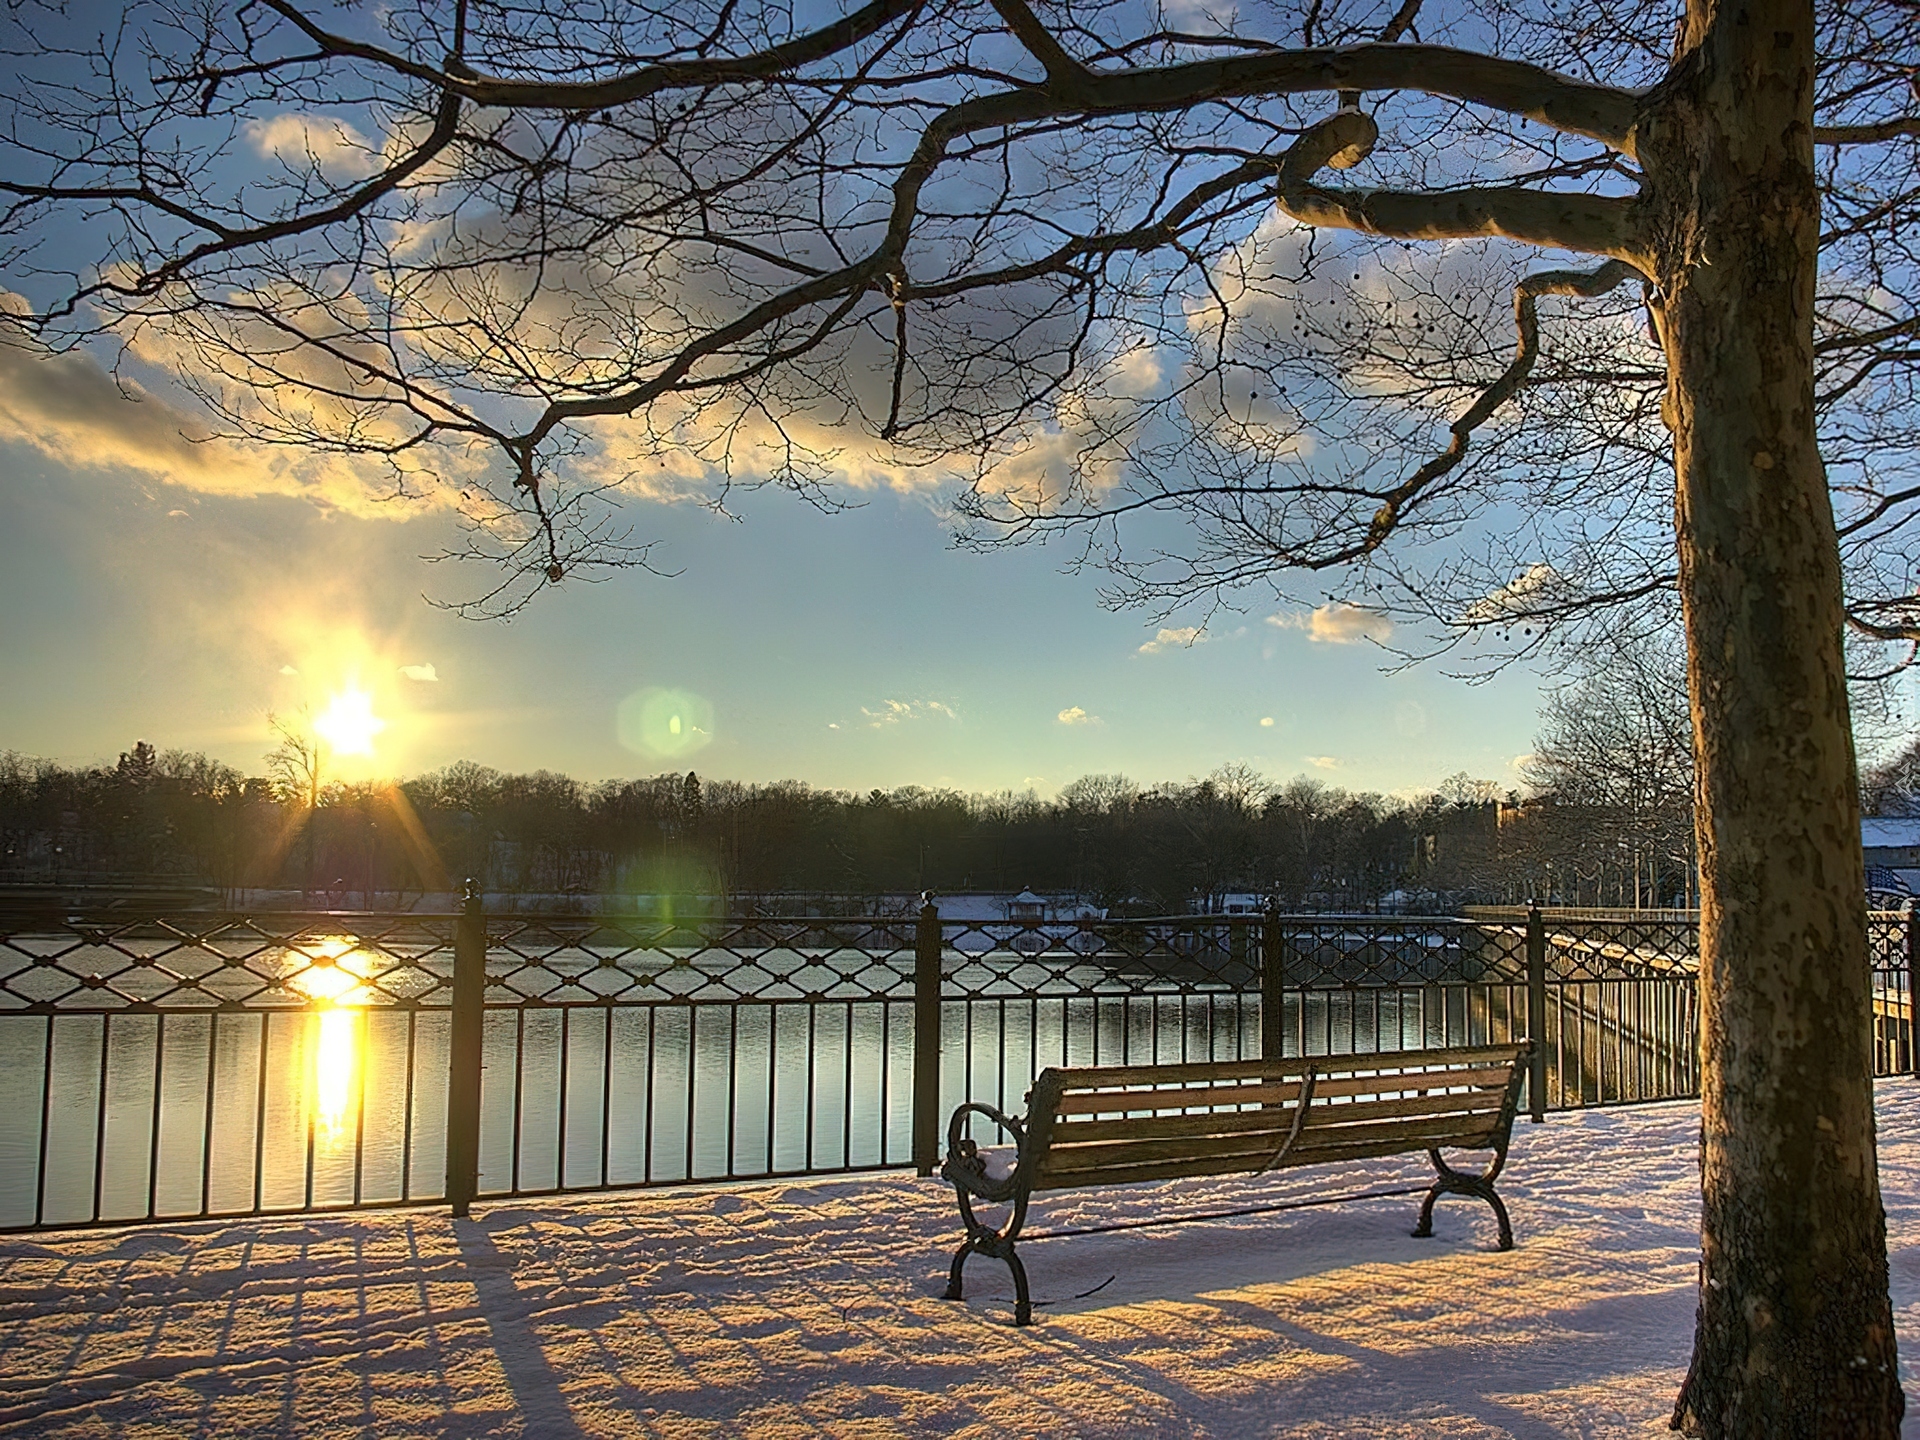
1602	815
1167	847
174	816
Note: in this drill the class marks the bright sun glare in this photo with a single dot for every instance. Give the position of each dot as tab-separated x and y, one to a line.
348	724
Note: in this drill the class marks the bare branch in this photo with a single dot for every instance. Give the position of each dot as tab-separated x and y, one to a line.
1904	127
1585	284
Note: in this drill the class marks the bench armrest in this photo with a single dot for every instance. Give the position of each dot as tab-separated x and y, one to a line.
964	1166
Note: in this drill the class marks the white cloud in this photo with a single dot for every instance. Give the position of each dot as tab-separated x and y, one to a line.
1338	623
73	411
1184	636
288	670
896	712
1324	762
302	141
1531	590
1076	715
1266	722
420	672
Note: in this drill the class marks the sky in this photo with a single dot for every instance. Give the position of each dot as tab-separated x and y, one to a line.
851	651
161	586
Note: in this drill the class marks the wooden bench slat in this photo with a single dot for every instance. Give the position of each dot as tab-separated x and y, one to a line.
1485	1100
1482	1099
1382	1061
1257	1148
1356	1144
1214	1165
1136	1101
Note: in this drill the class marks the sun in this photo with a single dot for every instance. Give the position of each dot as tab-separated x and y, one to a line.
348	724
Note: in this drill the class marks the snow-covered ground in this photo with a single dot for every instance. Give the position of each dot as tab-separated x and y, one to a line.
813	1309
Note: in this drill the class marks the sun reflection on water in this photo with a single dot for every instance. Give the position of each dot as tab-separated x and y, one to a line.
334	979
336	1074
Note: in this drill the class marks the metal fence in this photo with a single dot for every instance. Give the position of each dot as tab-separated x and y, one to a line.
194	1064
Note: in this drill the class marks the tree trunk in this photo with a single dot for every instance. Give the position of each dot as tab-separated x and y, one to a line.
1795	1331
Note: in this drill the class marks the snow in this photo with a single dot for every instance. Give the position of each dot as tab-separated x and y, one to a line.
813	1309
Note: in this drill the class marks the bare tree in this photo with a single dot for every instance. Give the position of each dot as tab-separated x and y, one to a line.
1892	786
1614	759
296	769
294	765
1082	258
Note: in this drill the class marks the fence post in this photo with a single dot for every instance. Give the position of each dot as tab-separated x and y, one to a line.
1272	986
1537	1014
926	1038
464	1051
1913	990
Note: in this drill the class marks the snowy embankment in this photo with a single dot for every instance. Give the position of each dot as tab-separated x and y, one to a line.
812	1309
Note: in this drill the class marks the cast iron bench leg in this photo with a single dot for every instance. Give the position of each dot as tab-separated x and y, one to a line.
1002	1250
1448	1181
1023	1302
955	1291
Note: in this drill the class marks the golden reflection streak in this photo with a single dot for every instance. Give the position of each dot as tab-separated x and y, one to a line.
333	977
336	1075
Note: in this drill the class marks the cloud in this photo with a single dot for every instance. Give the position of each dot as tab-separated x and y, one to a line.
1338	623
896	712
303	141
73	411
1184	636
1076	715
1266	722
1534	589
288	670
424	673
1324	762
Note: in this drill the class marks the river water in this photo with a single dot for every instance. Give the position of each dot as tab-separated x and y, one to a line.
343	1100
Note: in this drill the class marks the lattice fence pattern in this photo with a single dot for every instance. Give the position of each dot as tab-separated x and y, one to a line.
163	1065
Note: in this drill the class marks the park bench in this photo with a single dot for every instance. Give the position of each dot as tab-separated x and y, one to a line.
1118	1125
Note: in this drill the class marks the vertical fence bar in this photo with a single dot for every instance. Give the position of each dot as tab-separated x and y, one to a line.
153	1123
464	1048
46	1120
926	1038
1537	1014
1273	984
1913	993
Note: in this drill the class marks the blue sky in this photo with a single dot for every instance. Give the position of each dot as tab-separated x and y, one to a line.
852	650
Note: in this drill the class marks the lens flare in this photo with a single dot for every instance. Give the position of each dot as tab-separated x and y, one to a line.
348	724
665	723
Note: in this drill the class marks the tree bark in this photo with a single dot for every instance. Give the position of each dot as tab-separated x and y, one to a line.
1795	1335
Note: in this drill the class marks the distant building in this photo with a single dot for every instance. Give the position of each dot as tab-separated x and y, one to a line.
1890	845
1892	841
1027	907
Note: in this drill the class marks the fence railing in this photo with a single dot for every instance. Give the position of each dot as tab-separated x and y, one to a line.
194	1064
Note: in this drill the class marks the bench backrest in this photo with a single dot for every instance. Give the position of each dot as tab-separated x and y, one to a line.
1119	1124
